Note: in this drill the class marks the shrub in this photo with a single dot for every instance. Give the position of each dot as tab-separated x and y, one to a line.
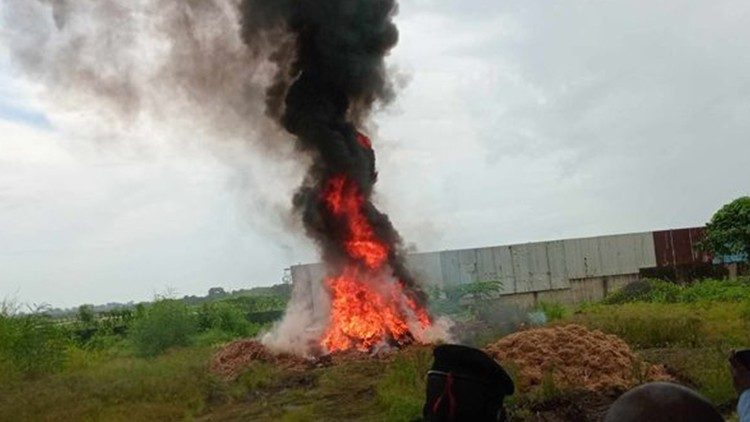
223	317
30	345
456	299
637	291
646	291
165	324
553	311
716	290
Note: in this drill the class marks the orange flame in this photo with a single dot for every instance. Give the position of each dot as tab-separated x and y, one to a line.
343	200
367	307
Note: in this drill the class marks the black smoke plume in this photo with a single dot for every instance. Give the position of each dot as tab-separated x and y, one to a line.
331	71
318	65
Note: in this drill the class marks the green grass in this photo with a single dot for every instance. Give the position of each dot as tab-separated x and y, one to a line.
650	325
658	291
691	340
108	377
645	325
401	389
705	369
172	386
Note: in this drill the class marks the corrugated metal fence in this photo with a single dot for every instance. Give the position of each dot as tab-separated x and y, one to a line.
538	266
569	270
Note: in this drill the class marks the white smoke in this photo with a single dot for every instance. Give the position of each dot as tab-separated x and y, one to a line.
304	322
438	332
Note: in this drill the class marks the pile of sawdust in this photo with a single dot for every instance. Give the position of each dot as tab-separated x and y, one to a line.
574	357
232	359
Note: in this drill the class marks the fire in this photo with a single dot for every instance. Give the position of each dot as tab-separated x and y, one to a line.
368	307
344	201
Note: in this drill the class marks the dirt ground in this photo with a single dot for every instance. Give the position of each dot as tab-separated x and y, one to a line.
579	406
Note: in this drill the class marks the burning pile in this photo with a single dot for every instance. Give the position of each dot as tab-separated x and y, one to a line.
318	65
367	308
574	357
330	62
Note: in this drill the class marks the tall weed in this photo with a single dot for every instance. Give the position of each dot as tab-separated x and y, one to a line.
174	386
224	317
30	345
705	368
648	325
165	324
658	291
401	390
553	311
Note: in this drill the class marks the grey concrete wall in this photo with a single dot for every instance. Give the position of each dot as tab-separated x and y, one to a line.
535	267
565	271
591	289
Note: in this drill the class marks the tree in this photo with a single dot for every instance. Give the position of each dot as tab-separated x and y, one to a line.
448	300
86	315
216	292
166	323
728	233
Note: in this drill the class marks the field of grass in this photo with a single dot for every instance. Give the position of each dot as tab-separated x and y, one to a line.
102	387
158	369
688	329
692	342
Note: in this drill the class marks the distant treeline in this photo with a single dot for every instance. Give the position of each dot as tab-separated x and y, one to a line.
215	293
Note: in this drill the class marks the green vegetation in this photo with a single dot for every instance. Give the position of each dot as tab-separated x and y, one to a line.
142	363
31	345
105	386
657	291
689	329
163	325
457	299
691	340
151	362
645	325
728	232
553	311
36	344
401	388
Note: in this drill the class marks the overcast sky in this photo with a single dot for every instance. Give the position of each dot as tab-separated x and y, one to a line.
518	121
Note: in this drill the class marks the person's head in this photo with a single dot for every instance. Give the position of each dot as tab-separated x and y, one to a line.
739	364
465	384
662	401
